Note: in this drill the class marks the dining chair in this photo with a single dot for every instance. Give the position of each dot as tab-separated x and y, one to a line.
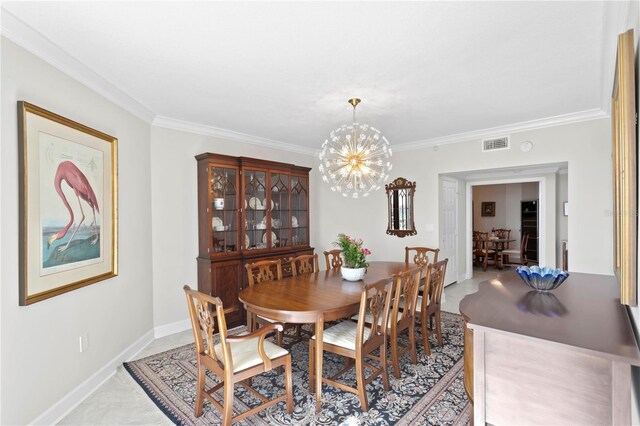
235	359
421	257
429	304
356	341
403	316
482	252
301	265
304	264
503	234
336	258
520	254
258	272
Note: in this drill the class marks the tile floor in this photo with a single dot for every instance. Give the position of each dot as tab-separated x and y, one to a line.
120	400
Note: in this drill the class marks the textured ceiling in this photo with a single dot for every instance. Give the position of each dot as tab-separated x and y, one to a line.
284	70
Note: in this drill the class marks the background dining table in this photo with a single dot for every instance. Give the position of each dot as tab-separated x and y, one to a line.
499	245
315	298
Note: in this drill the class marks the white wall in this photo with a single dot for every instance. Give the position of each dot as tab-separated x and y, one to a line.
586	147
41	362
175	215
489	193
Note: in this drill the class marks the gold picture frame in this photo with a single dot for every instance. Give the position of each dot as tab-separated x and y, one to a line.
623	116
68	204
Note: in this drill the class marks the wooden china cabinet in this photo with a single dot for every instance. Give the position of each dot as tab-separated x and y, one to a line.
248	210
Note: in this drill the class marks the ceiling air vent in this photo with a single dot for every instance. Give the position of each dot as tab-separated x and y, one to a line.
495	144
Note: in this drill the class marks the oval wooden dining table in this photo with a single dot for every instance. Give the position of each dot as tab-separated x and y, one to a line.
314	298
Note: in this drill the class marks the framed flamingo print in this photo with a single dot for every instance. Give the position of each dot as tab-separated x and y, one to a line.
68	204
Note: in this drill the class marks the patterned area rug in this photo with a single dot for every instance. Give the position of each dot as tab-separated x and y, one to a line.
430	392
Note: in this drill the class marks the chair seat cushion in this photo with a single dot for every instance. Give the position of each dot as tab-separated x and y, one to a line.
418	304
516	252
343	334
245	354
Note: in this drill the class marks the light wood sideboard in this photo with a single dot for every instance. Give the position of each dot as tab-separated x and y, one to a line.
561	357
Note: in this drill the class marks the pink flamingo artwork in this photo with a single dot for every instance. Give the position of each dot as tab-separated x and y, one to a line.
71	174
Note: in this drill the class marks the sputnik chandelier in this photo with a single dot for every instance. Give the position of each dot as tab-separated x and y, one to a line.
355	158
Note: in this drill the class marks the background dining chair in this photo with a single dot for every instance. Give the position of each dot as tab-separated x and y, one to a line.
336	259
429	304
521	254
482	252
304	264
356	341
503	234
234	359
258	272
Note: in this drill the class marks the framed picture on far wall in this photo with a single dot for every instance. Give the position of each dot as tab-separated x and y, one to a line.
68	204
488	208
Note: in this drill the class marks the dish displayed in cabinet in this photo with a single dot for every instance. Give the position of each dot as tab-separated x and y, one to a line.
274	239
217	223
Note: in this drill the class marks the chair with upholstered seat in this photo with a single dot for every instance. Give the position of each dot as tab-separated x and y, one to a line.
481	251
356	341
336	258
403	316
235	359
258	272
304	264
521	254
503	234
428	305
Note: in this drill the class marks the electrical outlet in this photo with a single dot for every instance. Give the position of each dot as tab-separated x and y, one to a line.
84	342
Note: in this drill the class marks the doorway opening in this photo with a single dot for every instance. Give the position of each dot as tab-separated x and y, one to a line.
549	196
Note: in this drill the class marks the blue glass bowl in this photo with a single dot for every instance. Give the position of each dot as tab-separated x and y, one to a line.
542	279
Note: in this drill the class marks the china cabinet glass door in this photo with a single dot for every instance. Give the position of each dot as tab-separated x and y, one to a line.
256	218
299	210
224	208
280	211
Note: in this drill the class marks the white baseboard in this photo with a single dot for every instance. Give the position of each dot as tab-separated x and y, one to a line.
70	401
172	328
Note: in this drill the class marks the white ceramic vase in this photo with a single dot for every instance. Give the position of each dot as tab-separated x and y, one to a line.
352	274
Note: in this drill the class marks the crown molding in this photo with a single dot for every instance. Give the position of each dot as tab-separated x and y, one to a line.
513	173
558	120
203	129
23	35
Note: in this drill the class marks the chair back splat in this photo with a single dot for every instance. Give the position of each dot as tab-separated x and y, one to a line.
304	264
264	270
421	256
333	258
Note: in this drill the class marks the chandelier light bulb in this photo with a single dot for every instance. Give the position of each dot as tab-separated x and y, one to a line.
355	158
